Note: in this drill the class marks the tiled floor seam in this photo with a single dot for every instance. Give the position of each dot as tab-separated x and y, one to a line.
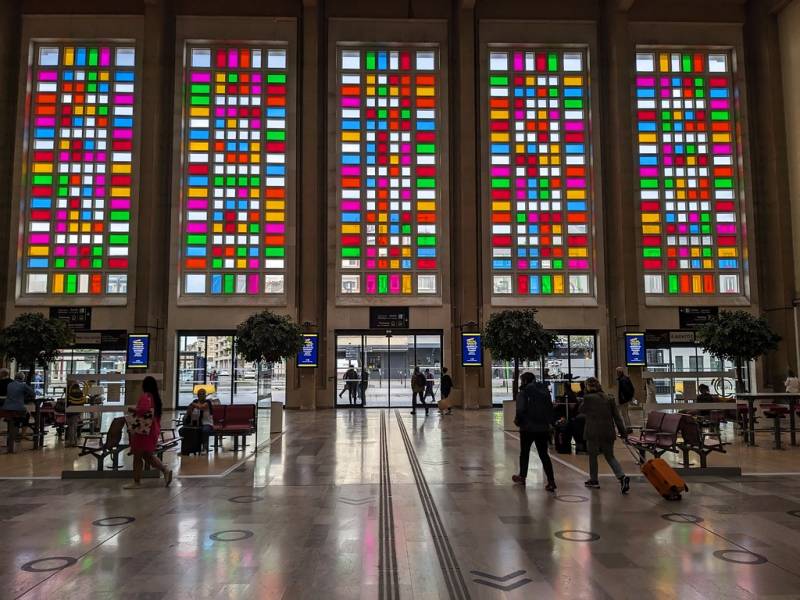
456	586
389	586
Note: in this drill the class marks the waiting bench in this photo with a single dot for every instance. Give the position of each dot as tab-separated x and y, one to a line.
677	433
234	420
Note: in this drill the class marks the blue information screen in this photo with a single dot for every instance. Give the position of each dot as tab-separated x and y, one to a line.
471	350
634	350
309	353
138	350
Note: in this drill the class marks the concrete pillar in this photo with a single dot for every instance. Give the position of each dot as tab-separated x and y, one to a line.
303	387
465	270
770	182
615	58
153	248
10	28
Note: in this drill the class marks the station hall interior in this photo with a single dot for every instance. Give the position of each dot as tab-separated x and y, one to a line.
390	177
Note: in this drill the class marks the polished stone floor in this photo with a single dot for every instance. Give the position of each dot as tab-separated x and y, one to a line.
382	504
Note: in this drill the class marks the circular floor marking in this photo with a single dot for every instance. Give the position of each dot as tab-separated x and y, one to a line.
113	521
576	535
742	557
245	499
224	536
682	518
31	567
571	498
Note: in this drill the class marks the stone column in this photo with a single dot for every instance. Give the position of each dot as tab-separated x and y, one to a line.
311	223
155	172
614	65
465	204
10	28
771	200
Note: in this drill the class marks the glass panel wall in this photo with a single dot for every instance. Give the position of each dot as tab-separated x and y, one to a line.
210	361
573	359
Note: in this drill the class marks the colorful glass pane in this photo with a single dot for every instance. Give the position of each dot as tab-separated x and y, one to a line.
79	197
234	193
688	182
539	172
388	172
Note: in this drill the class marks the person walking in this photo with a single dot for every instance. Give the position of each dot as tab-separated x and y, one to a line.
535	416
625	393
792	383
602	416
350	385
446	385
418	383
143	445
429	385
363	385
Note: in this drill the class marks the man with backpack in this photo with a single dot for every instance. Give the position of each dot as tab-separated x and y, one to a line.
535	416
418	384
625	393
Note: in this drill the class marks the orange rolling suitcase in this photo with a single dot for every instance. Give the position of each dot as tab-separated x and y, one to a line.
663	477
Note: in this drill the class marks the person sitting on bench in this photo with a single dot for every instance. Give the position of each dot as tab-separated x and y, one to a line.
200	414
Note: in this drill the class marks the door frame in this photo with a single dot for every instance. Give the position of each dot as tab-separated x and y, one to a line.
363	333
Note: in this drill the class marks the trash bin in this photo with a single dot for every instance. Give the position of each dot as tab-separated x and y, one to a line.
509	412
276	417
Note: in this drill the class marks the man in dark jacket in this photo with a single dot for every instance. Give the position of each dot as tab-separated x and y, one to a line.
602	418
625	393
534	418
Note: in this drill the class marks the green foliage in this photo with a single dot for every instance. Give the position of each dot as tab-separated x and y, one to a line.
737	336
517	335
34	340
268	337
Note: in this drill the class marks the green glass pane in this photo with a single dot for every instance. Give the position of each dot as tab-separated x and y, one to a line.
500	183
383	284
72	284
651	252
547	284
351	252
97	263
552	62
370	61
200	88
426	183
498	80
724	183
648	184
673	284
276	78
120	215
241	252
426	148
59	263
42	179
117	238
720	115
216	263
229	284
276	135
426	240
92	57
573	103
199	101
196	239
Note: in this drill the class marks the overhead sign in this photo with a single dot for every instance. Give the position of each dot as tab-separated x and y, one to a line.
309	353
112	339
635	354
78	318
471	350
694	317
388	318
681	337
138	351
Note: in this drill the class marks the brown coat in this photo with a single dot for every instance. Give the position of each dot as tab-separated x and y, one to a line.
601	416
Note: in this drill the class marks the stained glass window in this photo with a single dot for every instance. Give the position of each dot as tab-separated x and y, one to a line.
688	188
539	172
79	196
388	171
234	193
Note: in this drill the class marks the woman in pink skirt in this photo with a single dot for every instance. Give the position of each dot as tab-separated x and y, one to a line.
143	446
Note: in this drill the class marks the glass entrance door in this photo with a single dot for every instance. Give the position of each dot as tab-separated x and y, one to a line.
374	370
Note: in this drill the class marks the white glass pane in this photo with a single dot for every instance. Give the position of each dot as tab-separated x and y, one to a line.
501	284
729	284
195	284
48	57
273	284
426	284
351	59
351	284
717	63
653	284
578	284
125	57
276	59
201	57
426	60
498	61
573	61
37	284
645	63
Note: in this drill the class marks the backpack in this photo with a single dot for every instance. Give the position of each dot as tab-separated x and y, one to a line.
537	413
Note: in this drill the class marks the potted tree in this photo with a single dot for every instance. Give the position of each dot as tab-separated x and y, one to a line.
739	337
268	338
515	336
33	340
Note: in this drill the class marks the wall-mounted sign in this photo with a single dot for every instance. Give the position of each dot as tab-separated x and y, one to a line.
471	350
388	318
681	337
78	318
694	317
138	350
309	353
635	355
111	339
